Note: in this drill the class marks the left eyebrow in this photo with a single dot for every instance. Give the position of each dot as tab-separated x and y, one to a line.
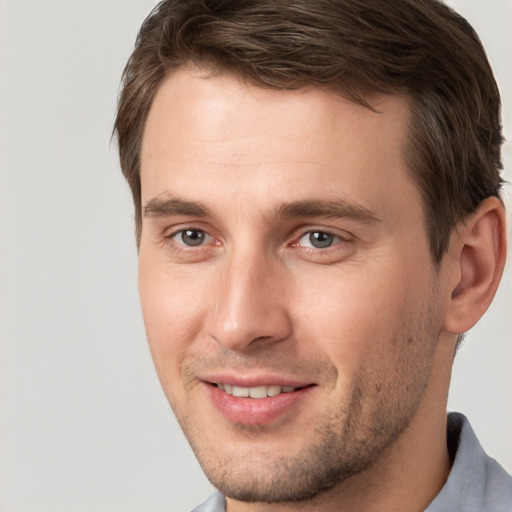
331	209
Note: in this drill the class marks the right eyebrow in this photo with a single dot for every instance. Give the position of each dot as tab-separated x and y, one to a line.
168	206
334	208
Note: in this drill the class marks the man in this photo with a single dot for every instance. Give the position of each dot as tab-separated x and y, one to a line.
318	213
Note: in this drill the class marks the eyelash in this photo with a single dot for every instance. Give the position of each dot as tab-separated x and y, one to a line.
184	247
338	240
335	240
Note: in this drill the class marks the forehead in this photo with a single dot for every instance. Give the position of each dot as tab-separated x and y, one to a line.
209	103
222	131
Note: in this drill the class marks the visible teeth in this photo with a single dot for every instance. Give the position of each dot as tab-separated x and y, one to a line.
274	390
241	392
256	391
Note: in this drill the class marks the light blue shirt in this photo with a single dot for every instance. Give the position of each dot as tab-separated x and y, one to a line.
476	482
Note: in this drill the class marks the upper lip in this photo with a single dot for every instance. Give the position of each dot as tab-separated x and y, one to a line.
252	381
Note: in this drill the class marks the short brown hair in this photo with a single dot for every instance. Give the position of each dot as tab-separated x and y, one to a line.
419	48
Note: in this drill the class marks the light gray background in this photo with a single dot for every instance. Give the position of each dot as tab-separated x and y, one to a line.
84	425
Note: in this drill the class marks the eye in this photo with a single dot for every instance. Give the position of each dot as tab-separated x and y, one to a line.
191	237
318	240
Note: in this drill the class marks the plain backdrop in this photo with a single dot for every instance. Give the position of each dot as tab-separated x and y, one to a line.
84	425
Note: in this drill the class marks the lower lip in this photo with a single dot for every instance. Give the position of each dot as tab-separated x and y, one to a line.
255	411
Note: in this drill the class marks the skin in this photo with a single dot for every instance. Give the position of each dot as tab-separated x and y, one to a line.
366	322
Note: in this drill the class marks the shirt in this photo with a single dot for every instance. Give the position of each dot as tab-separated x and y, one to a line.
476	482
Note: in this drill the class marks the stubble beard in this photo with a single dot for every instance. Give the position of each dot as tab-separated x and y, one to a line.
337	449
348	439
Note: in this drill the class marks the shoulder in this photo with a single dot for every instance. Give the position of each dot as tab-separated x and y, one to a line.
476	483
215	503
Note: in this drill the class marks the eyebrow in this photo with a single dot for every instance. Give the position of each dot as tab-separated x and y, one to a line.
332	209
166	207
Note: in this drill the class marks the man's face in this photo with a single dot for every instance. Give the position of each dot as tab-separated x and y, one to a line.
284	256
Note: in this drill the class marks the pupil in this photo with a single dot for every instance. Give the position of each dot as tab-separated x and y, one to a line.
320	240
192	237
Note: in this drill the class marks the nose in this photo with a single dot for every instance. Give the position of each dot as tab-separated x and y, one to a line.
250	304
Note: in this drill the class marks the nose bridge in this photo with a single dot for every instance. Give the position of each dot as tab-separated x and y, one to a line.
249	307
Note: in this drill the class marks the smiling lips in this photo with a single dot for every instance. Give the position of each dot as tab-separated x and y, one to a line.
257	404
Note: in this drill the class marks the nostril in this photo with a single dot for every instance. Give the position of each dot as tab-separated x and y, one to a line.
262	338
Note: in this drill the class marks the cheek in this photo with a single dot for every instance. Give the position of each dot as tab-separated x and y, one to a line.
172	310
356	314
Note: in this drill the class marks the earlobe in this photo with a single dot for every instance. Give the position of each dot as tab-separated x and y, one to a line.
479	250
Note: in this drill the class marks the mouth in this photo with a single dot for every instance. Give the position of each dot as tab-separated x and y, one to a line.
256	391
259	403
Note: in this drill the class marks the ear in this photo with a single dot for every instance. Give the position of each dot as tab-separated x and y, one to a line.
477	252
